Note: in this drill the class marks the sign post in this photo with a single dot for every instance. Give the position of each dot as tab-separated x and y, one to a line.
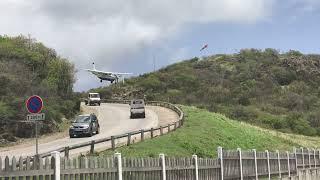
34	105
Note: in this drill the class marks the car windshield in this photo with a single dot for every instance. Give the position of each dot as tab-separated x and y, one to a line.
82	119
94	95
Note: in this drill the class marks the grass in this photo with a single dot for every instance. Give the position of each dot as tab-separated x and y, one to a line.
204	131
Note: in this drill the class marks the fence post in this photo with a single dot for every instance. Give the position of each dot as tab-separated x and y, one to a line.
314	158
288	158
113	144
296	158
151	133
240	160
279	163
195	159
119	165
309	158
66	151
56	156
129	139
255	163
318	154
142	134
92	147
163	166
302	157
220	157
268	163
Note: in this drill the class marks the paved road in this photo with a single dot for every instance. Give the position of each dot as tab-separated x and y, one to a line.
113	118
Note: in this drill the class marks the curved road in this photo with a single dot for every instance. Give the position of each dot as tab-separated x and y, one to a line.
114	120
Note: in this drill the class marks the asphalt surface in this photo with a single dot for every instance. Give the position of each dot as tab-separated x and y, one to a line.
114	120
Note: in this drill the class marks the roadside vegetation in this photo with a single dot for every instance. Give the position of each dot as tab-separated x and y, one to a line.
27	67
204	131
260	87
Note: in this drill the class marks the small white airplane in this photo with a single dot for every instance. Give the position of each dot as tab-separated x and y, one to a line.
107	76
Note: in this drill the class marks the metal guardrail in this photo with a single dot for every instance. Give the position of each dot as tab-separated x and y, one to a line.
161	130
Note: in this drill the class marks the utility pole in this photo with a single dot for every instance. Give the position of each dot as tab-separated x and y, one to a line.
154	63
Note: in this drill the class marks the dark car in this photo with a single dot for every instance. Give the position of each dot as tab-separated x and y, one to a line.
84	125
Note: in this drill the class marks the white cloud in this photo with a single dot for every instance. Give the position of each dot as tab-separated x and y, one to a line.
108	30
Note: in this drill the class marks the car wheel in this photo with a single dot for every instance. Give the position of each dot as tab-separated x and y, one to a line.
71	136
98	131
90	133
99	104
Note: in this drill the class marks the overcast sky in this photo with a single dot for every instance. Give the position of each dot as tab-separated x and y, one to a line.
125	36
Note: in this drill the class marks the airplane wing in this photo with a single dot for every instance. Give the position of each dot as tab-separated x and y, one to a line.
106	73
96	72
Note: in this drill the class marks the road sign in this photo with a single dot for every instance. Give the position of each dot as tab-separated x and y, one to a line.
34	104
36	117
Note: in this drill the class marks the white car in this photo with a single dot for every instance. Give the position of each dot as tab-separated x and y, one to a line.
93	98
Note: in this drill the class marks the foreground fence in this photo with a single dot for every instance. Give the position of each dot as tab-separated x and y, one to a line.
229	165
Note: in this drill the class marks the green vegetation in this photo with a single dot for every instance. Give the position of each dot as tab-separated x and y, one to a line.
28	67
203	132
264	88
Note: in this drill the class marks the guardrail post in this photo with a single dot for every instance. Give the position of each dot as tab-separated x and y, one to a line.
255	163
113	144
66	151
240	161
92	147
129	139
151	131
289	169
220	157
161	130
163	166
56	165
268	163
119	165
195	161
279	163
142	135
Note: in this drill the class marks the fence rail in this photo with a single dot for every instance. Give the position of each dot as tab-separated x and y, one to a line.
230	164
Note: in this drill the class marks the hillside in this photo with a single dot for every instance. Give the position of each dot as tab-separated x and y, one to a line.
203	132
27	67
265	88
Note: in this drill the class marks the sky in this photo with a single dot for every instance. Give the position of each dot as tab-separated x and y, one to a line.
136	36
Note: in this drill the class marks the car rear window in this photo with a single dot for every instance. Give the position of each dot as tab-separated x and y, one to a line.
137	102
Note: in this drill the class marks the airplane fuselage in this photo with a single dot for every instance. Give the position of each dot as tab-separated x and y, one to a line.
110	78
